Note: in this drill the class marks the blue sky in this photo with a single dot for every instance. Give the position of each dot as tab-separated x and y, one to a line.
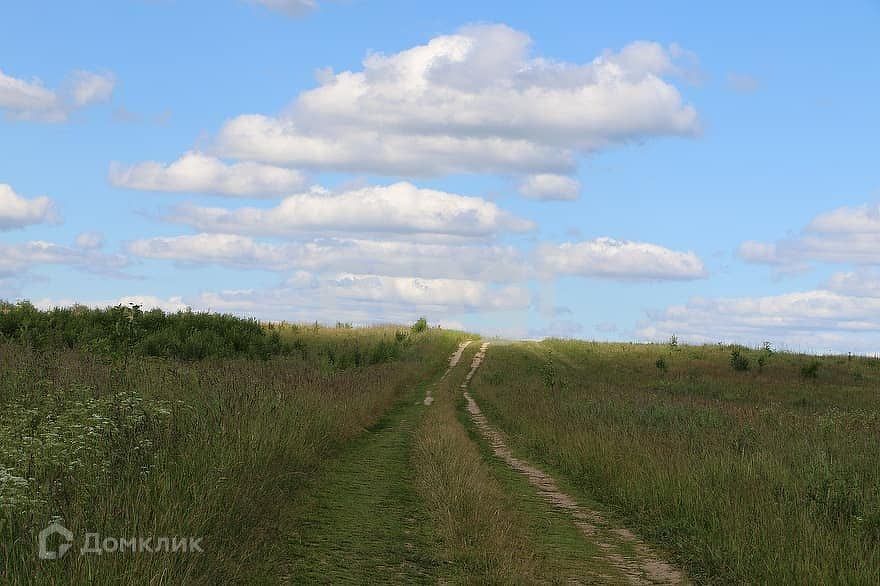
626	170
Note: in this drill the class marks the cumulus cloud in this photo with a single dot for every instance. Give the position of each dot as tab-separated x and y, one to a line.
817	321
550	186
616	259
17	211
351	297
473	101
842	235
18	258
31	100
367	298
600	258
393	258
196	172
289	7
401	208
861	283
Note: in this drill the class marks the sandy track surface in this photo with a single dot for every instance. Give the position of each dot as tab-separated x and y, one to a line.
453	362
621	548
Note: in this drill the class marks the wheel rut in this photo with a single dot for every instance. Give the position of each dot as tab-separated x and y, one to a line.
620	547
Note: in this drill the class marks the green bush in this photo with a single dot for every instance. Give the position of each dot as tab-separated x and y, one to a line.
421	325
123	331
661	365
739	361
811	370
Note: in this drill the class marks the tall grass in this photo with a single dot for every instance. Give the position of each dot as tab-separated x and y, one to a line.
478	532
130	445
758	476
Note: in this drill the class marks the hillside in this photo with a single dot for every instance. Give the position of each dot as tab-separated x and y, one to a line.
302	454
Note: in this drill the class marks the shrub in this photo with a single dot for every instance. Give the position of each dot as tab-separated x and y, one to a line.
421	325
661	365
550	373
739	361
762	361
811	370
124	331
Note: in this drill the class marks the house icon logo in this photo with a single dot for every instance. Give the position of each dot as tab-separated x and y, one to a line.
54	554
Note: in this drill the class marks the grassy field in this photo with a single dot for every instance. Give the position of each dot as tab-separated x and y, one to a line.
749	466
304	454
107	438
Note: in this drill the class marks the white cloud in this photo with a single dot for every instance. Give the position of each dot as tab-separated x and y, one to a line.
146	302
196	172
367	298
401	208
550	186
26	98
861	283
392	258
31	100
89	240
17	211
428	294
842	235
345	297
616	259
87	88
288	7
18	258
816	321
474	101
602	258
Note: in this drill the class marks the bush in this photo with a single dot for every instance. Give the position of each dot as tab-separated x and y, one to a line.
739	361
661	365
421	325
124	331
811	370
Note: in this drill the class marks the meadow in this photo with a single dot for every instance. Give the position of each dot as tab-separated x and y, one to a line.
148	424
300	453
745	465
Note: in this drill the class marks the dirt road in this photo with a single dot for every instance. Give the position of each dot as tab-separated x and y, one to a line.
622	549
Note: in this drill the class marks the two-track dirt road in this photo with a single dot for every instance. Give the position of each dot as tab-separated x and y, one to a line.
365	521
621	548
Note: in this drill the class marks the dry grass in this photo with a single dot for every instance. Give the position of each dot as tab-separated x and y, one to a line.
758	476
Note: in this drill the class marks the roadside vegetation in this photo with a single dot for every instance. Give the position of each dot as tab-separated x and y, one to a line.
107	430
302	454
489	525
747	465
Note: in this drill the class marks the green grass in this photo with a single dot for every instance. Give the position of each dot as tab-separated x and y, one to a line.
490	525
360	520
213	448
305	454
758	476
